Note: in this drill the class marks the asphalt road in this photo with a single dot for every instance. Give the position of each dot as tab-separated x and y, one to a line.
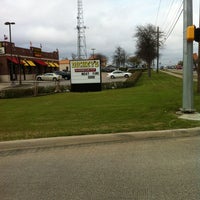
153	169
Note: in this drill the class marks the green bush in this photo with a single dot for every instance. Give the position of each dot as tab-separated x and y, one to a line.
18	92
130	82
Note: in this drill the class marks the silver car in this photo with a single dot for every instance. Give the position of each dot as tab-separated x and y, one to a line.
48	77
119	74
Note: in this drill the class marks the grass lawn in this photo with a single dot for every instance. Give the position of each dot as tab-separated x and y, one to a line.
150	105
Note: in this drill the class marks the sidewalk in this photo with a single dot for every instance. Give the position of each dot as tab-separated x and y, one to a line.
178	74
70	141
4	85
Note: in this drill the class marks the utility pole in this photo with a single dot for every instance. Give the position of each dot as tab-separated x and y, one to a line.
188	92
81	40
158	36
93	49
198	66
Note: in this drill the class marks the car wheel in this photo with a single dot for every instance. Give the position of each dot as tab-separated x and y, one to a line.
66	78
112	77
39	79
54	79
126	76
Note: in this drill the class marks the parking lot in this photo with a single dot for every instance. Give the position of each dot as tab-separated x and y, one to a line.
105	79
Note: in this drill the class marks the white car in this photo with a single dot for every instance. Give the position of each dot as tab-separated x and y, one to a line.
48	77
119	74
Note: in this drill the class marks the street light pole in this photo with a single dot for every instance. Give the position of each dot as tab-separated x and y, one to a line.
198	65
188	104
10	37
93	49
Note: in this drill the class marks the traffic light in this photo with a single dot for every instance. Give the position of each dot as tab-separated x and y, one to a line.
193	33
197	35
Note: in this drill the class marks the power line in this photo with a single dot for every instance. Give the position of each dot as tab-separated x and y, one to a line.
168	13
173	25
169	33
169	25
172	15
158	12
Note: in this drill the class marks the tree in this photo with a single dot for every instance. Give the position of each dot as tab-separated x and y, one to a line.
74	56
134	60
103	59
180	63
120	57
146	45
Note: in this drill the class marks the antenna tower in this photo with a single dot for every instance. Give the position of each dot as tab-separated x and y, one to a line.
81	42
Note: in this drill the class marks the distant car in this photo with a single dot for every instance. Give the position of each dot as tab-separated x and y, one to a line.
109	68
48	77
65	75
119	74
179	67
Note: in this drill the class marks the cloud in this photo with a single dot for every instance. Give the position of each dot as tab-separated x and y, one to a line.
109	23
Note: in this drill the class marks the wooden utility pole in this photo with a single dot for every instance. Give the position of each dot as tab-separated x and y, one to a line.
158	36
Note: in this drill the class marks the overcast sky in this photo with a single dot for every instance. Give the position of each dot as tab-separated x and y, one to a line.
110	23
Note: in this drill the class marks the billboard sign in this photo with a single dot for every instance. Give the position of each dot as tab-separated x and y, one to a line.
85	71
37	52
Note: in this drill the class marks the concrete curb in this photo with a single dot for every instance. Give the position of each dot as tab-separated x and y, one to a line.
44	143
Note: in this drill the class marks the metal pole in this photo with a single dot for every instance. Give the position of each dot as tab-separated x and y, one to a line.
198	65
11	65
188	106
20	71
11	68
93	49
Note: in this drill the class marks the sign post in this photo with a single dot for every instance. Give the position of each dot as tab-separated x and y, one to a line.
85	75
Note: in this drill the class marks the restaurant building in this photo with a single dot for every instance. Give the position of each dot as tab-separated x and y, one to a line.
20	63
64	65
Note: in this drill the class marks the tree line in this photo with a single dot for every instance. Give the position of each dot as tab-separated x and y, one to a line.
147	44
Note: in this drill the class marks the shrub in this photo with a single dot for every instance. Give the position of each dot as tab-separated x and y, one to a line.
16	92
130	82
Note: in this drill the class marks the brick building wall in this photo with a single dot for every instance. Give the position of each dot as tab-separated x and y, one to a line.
16	61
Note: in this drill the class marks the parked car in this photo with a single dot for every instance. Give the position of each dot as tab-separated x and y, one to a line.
66	75
119	74
109	68
48	77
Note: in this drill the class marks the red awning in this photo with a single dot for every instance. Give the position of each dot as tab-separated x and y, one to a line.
13	59
40	62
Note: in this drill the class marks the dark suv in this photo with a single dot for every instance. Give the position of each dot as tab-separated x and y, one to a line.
64	74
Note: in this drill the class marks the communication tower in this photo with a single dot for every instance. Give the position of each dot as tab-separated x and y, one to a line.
81	40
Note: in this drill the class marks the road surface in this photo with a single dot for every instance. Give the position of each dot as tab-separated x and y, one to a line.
153	169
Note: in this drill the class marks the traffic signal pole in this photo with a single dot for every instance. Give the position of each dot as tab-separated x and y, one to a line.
188	93
198	66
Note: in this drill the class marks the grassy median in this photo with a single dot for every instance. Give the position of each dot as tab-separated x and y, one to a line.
150	105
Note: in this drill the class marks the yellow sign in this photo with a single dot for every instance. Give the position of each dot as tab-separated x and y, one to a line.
85	64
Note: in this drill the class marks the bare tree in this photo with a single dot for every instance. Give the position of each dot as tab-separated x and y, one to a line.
120	57
134	60
147	43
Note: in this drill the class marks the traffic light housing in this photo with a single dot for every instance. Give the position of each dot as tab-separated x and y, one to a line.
193	34
197	35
